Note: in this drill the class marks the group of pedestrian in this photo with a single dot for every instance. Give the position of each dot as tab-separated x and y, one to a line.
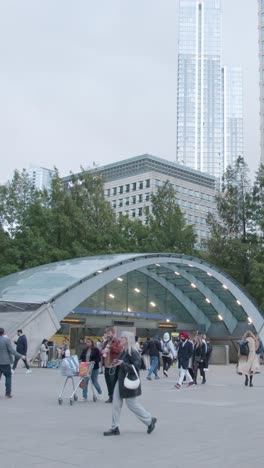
7	352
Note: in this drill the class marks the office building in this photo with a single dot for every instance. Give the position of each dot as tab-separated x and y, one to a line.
261	76
232	100
128	186
41	177
199	94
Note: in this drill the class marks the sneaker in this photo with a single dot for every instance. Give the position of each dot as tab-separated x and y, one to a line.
84	399
190	384
100	396
110	400
157	377
8	395
149	378
28	371
151	427
112	432
165	373
177	385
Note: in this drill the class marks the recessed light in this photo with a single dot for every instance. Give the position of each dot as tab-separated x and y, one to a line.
220	317
137	290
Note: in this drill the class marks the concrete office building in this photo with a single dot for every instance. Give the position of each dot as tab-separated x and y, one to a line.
233	121
261	75
41	177
130	183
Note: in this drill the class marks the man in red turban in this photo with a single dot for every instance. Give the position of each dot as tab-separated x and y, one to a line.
185	353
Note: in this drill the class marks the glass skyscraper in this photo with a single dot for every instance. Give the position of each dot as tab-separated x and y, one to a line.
233	121
199	87
261	70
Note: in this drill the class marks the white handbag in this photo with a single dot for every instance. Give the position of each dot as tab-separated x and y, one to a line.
132	384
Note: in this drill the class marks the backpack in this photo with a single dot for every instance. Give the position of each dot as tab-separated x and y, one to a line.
243	347
165	348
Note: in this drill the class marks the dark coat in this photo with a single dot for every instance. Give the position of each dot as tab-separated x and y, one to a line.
21	344
94	356
185	352
153	348
199	353
126	367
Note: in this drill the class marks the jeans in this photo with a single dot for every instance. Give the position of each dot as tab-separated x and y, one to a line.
94	379
6	370
132	404
110	379
154	361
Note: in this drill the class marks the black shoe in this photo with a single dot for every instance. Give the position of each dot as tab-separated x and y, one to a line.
246	381
251	384
203	381
110	400
112	432
151	427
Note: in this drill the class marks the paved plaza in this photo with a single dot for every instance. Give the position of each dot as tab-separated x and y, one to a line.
219	424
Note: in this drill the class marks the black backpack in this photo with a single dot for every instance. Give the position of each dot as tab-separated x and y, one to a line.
243	348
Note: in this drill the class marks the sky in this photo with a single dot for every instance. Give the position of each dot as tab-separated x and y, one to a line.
86	82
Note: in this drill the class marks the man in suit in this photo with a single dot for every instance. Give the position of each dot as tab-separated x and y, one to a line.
21	347
185	352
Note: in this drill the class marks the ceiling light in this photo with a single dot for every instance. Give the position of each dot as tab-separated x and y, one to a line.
220	317
238	302
157	264
209	274
177	273
99	271
224	286
137	290
111	295
168	320
128	309
152	304
120	279
193	285
208	300
191	266
249	320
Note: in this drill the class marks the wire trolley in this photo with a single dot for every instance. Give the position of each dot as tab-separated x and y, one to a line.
71	369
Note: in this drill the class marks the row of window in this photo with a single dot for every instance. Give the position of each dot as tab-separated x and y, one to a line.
133	213
131	200
128	187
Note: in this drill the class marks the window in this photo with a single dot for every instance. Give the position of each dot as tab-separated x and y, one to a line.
121	189
140	211
147	183
107	192
120	202
114	203
147	196
114	191
157	183
134	186
127	201
140	198
140	185
133	213
147	210
133	200
127	188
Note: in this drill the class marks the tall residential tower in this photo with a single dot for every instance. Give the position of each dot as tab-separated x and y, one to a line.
199	96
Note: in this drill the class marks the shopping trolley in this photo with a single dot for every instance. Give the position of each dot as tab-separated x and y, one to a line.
69	367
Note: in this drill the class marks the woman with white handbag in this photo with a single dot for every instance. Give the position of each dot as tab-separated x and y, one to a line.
128	386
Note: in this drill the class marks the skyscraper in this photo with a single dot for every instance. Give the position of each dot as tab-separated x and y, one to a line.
41	177
199	91
261	71
232	111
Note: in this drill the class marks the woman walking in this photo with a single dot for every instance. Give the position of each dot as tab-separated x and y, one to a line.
249	364
199	358
44	353
92	353
128	358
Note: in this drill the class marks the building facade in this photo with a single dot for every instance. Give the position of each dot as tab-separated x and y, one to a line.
233	120
261	75
199	116
129	184
41	177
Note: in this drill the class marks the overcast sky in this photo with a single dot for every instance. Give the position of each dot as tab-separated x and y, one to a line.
85	80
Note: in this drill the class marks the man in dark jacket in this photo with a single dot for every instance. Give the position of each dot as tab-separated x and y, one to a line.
6	353
154	349
21	347
185	352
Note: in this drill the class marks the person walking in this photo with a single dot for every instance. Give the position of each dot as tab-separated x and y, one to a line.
145	353
199	358
6	351
44	353
129	357
168	353
185	351
154	349
89	354
248	365
21	348
110	351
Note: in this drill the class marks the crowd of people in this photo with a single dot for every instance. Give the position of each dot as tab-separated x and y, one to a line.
122	359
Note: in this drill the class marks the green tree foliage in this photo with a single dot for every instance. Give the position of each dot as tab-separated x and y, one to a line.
168	230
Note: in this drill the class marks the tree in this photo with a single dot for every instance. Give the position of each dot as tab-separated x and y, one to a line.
168	230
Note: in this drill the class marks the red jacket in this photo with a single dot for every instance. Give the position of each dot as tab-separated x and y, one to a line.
115	350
